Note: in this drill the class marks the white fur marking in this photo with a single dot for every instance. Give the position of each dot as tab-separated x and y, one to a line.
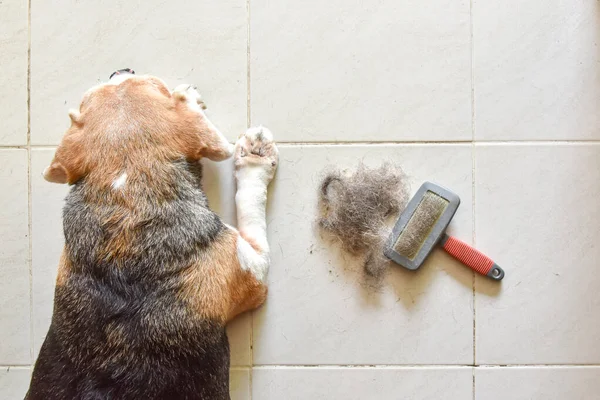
251	261
120	181
251	199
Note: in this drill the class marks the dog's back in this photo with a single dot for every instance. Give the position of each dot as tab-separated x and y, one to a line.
120	329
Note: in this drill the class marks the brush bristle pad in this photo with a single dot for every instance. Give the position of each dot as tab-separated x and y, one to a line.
419	226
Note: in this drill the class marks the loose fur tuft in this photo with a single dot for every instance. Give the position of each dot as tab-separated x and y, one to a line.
355	209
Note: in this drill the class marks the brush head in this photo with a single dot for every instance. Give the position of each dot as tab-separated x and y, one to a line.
421	226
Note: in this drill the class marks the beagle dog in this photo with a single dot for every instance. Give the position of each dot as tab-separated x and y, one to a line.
149	275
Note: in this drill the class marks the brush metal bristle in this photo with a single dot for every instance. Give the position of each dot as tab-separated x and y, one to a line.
420	225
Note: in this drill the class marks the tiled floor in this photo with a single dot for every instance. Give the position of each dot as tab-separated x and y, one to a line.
498	100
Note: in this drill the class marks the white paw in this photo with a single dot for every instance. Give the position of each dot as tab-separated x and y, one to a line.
190	92
256	148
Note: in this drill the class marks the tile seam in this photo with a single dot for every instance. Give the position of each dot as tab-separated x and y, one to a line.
473	214
423	366
366	143
248	64
29	194
384	366
473	276
248	123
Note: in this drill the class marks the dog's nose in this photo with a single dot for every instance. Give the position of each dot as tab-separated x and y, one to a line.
121	72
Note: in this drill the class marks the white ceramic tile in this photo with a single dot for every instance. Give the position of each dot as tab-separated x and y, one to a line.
13	79
362	383
239	332
200	42
536	72
14	382
572	383
350	70
537	214
219	185
14	259
48	200
319	312
239	384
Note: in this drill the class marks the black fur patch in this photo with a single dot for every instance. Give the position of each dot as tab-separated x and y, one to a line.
118	329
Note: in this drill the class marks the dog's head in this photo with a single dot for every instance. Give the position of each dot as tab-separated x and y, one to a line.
132	121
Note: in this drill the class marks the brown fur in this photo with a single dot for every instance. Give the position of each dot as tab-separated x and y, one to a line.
102	132
227	289
64	269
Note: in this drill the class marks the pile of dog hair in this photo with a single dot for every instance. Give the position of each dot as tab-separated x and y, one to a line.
356	209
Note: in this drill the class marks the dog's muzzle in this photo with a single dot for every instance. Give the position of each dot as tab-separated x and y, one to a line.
121	72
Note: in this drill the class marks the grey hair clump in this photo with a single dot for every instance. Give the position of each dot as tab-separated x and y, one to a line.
355	210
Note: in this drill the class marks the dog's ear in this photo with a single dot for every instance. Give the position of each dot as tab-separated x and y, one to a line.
68	165
214	145
204	139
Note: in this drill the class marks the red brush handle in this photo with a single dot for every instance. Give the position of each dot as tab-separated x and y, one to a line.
472	258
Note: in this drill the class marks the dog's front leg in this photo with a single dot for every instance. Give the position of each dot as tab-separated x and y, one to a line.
256	159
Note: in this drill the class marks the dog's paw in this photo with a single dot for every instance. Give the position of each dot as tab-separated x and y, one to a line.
190	92
256	148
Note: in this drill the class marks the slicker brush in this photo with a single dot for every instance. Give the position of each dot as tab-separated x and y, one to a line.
422	226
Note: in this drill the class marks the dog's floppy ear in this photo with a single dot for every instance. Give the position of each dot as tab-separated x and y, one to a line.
213	144
68	165
204	140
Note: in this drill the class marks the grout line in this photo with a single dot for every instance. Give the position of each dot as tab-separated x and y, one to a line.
7	368
440	142
351	367
30	255
473	237
472	48
248	88
474	278
535	142
396	143
29	200
428	366
250	373
443	142
533	366
473	370
26	146
386	366
363	143
248	122
28	74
